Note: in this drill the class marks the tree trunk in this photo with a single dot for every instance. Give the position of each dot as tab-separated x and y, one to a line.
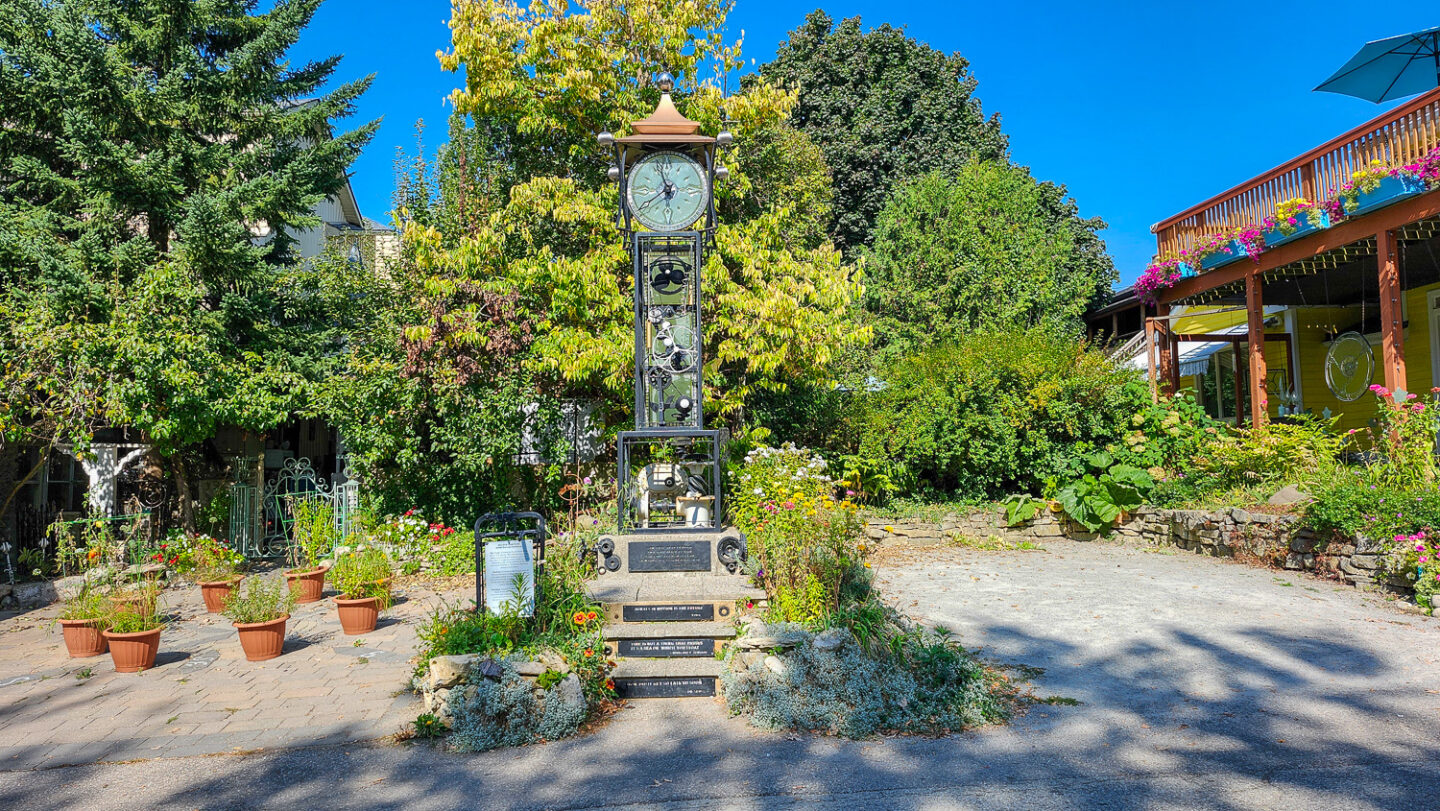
182	492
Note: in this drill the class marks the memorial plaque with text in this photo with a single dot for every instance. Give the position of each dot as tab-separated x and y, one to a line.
667	648
670	612
669	556
666	687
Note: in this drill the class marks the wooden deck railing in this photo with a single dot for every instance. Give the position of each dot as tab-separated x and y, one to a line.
1402	135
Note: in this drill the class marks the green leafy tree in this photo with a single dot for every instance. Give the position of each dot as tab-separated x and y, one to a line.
156	162
778	300
983	248
884	108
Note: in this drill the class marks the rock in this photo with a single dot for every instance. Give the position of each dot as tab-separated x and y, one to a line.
530	669
830	639
448	671
774	665
554	661
1365	561
569	691
1289	494
1408	607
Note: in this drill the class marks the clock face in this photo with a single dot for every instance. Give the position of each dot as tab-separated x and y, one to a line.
666	191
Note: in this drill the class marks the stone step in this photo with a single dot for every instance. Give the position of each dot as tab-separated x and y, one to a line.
660	630
666	668
690	611
671	587
673	551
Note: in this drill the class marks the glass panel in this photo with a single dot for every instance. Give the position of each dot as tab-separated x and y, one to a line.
669	330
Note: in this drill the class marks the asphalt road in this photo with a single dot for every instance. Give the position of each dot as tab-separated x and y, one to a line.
1200	684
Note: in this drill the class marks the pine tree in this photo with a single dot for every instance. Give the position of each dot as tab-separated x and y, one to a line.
156	159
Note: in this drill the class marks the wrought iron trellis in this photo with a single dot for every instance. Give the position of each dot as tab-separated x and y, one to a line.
262	520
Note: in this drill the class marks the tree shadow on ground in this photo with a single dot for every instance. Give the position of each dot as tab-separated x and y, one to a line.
1184	718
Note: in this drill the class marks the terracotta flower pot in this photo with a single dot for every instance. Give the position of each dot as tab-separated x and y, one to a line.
358	616
307	587
134	652
262	640
83	638
216	593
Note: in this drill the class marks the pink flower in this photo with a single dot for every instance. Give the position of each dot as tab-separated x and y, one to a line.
1424	558
789	505
850	493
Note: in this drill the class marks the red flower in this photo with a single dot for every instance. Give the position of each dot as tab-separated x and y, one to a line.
591	616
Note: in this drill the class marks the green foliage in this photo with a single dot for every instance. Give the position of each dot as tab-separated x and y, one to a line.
804	544
998	413
976	249
523	283
429	727
925	683
362	572
142	141
451	630
259	599
885	108
316	533
1096	500
1021	507
1301	449
207	558
1165	434
509	713
85	603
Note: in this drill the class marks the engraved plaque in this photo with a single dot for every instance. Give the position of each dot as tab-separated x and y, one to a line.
666	687
667	648
669	556
673	612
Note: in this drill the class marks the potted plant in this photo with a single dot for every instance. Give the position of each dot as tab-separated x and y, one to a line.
259	611
363	578
138	596
83	620
315	537
217	571
134	633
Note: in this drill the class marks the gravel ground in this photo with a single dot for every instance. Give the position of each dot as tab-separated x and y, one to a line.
1200	684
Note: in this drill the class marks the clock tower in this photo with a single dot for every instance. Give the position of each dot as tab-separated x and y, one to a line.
669	467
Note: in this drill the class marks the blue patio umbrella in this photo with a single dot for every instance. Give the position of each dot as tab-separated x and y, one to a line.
1391	68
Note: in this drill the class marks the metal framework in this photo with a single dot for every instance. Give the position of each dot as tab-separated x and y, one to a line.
262	520
670	481
668	350
512	526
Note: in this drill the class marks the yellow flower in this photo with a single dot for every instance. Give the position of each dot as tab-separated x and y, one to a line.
867	564
889	528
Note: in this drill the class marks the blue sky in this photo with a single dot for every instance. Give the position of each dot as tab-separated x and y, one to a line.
1141	109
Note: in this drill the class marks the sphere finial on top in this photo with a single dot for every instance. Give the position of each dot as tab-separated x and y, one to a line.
665	82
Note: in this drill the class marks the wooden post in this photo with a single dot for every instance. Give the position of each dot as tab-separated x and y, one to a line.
1150	359
1238	379
1167	350
1391	328
1255	310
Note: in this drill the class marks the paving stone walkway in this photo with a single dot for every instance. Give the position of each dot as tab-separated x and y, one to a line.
1200	684
202	697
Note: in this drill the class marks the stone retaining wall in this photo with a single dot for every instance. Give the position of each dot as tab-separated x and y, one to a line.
1276	540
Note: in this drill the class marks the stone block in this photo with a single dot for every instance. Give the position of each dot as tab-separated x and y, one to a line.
774	665
1365	561
448	671
530	669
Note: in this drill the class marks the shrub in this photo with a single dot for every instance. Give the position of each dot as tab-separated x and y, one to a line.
1300	450
316	532
212	559
999	412
509	712
259	599
930	685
